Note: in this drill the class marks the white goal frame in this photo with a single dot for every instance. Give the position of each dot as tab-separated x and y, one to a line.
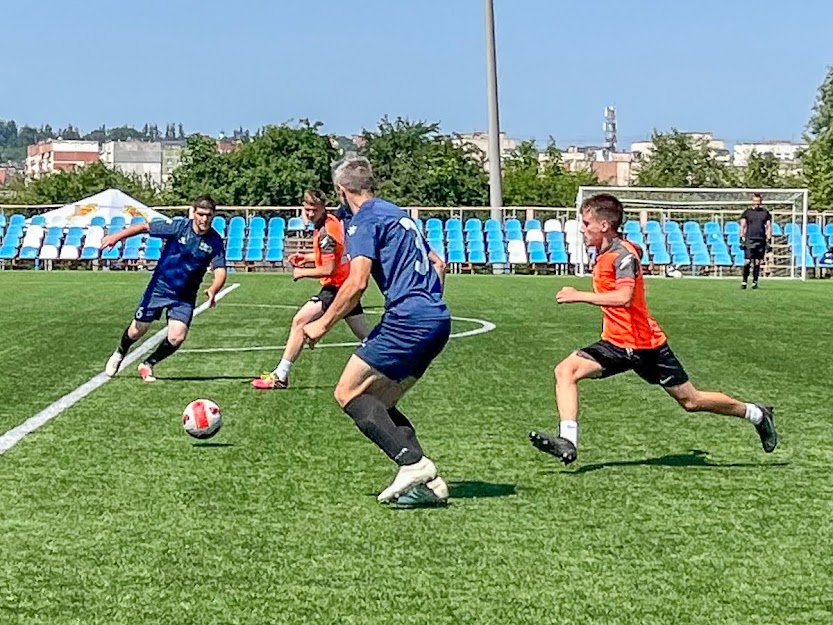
791	203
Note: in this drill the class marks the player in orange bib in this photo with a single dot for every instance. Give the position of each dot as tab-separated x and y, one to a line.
631	339
331	268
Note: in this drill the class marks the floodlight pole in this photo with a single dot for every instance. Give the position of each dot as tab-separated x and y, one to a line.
495	187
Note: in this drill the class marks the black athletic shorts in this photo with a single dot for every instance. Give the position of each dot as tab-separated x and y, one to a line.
655	366
327	296
755	249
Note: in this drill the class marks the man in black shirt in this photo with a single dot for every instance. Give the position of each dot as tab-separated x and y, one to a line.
755	238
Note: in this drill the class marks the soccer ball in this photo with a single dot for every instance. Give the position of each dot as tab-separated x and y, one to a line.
202	418
671	271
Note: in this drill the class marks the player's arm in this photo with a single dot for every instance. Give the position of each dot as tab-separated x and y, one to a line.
218	266
743	228
327	268
112	239
348	296
439	266
620	297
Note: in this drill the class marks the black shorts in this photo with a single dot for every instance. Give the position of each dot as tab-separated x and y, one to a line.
327	296
755	249
655	366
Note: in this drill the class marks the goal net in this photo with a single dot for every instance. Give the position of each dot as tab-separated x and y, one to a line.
698	230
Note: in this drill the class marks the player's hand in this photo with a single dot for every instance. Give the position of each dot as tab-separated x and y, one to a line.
768	246
567	295
108	241
313	332
297	273
743	243
297	260
212	298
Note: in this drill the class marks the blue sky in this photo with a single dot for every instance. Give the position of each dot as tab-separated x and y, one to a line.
743	69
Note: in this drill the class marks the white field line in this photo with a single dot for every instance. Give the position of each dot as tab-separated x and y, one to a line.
15	435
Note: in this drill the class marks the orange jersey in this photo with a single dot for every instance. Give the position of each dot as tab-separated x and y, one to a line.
328	244
629	327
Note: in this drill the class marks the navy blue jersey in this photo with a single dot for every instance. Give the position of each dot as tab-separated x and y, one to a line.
383	232
185	258
345	215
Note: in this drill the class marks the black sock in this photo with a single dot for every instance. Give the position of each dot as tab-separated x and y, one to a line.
756	271
125	343
404	425
746	272
373	420
165	349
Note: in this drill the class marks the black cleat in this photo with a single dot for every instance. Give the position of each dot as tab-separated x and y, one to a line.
556	446
754	286
743	285
766	429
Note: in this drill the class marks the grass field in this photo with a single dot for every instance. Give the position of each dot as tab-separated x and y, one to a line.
110	514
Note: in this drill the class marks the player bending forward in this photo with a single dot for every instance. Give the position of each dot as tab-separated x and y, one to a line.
332	269
631	339
385	243
191	246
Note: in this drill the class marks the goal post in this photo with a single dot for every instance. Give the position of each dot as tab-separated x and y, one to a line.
709	211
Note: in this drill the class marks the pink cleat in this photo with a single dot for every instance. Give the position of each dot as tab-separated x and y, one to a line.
269	381
146	371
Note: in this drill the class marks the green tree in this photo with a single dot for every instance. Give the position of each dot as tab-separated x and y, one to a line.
817	159
679	160
530	179
763	171
416	165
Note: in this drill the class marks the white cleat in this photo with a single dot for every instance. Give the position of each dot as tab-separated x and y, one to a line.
433	493
113	364
146	371
409	476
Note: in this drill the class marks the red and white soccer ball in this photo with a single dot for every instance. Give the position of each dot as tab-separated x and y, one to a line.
202	418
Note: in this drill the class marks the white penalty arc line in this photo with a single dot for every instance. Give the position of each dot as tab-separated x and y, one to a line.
485	326
15	435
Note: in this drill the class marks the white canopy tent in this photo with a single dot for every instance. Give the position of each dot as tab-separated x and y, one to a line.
107	204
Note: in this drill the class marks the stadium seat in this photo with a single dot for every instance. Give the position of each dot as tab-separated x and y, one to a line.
537	253
98	221
453	224
474	246
701	259
631	227
238	224
534	235
295	225
691	226
733	238
438	246
477	257
8	252
113	253
492	246
28	253
515	235
777	230
517	252
274	255
813	228
69	252
38	220
731	227
456	246
474	235
816	238
512	225
494	235
492	225
791	228
652	226
276	224
671	226
131	253
254	255
48	252
723	260
675	237
646	260
257	224
558	257
473	225
532	224
233	254
655	237
497	256
828	230
433	224
17	220
711	227
439	250
219	224
555	235
454	235
661	258
635	237
817	251
681	259
552	225
89	253
456	256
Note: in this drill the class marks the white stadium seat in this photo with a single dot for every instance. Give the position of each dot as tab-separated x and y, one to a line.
49	252
552	225
69	252
517	253
534	235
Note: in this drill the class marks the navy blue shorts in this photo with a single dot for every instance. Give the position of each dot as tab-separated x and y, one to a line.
401	349
153	304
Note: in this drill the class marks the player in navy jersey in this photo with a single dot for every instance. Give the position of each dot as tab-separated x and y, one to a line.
191	247
383	242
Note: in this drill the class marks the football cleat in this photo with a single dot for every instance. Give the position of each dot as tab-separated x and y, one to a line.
113	364
433	493
146	371
766	429
269	381
556	446
407	477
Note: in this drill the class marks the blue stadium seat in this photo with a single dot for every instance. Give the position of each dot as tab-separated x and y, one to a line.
257	224
473	224
274	255
645	258
219	224
733	238
497	256
439	250
698	247
791	227
456	246
493	246
454	235
89	253
474	235
477	257
131	253
28	253
671	226
711	227
555	235
492	225
295	224
808	260
277	224
655	237
691	226
475	245
8	252
138	219
679	248
776	229
731	227
117	221
254	255
494	235
17	220
813	228
433	224
818	251
514	235
816	238
652	226
38	220
238	224
714	237
681	259
113	253
693	237
661	258
234	254
453	224
538	256
635	237
532	224
512	225
631	226
701	259
558	257
828	230
723	260
456	256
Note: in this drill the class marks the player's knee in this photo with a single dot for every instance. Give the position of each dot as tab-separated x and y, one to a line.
565	371
177	337
343	395
689	403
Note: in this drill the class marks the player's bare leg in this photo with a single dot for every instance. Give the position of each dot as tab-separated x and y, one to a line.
177	333
370	398
135	331
279	376
568	373
695	400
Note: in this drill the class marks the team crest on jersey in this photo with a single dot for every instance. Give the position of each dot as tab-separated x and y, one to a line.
205	247
351	231
183	240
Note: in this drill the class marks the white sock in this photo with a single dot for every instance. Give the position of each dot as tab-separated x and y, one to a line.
754	414
569	430
282	370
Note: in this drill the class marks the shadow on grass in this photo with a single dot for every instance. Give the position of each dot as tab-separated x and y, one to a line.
480	490
212	444
695	458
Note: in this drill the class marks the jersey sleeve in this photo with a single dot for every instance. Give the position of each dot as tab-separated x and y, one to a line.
767	216
745	215
218	260
329	239
164	229
363	240
625	269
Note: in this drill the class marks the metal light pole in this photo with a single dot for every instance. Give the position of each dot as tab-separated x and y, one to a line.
495	187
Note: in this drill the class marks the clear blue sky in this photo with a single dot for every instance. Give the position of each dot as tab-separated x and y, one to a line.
746	70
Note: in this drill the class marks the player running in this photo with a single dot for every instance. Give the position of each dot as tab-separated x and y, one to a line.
631	339
385	243
191	247
332	269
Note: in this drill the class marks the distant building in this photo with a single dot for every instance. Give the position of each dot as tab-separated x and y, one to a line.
135	158
610	167
642	150
481	140
171	159
785	151
50	156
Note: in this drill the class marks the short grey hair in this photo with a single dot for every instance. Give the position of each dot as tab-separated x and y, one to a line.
355	174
